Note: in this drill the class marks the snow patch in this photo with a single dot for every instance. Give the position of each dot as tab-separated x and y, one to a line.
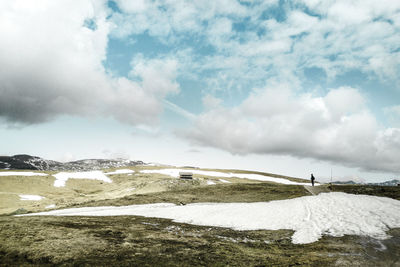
122	171
30	197
130	189
5	163
334	214
52	206
258	177
22	174
210	182
224	181
62	177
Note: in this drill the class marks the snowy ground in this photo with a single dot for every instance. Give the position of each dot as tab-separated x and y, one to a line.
31	197
121	171
258	177
62	177
22	174
334	214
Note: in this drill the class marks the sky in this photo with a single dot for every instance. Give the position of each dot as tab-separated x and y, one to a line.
289	87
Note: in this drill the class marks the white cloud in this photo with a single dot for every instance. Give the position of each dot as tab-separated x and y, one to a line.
345	100
115	154
211	102
365	39
66	157
157	75
353	29
52	64
336	127
393	110
340	36
392	114
136	6
162	18
219	30
178	110
348	13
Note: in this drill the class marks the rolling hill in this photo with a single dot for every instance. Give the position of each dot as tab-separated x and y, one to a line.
231	223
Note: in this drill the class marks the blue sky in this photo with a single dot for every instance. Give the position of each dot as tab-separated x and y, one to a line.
291	87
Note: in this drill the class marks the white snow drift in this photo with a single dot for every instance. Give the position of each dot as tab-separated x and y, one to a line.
258	177
30	197
121	171
62	177
334	214
22	174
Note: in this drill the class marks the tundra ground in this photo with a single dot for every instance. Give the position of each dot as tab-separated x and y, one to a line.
140	241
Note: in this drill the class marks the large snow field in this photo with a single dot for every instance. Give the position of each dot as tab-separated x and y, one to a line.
258	177
334	214
22	174
62	177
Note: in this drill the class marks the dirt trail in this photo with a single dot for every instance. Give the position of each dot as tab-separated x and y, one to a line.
315	190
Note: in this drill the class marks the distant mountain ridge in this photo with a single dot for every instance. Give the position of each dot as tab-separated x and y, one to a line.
344	182
393	182
27	162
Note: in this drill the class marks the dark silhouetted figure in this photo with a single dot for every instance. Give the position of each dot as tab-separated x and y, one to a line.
312	179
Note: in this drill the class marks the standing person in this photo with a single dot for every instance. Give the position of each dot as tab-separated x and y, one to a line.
312	179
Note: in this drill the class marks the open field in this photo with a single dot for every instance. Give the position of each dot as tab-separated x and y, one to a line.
141	241
381	191
138	241
78	191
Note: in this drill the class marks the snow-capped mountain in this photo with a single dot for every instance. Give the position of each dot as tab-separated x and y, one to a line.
27	162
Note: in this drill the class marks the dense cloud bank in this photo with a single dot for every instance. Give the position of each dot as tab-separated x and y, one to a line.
51	63
336	127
